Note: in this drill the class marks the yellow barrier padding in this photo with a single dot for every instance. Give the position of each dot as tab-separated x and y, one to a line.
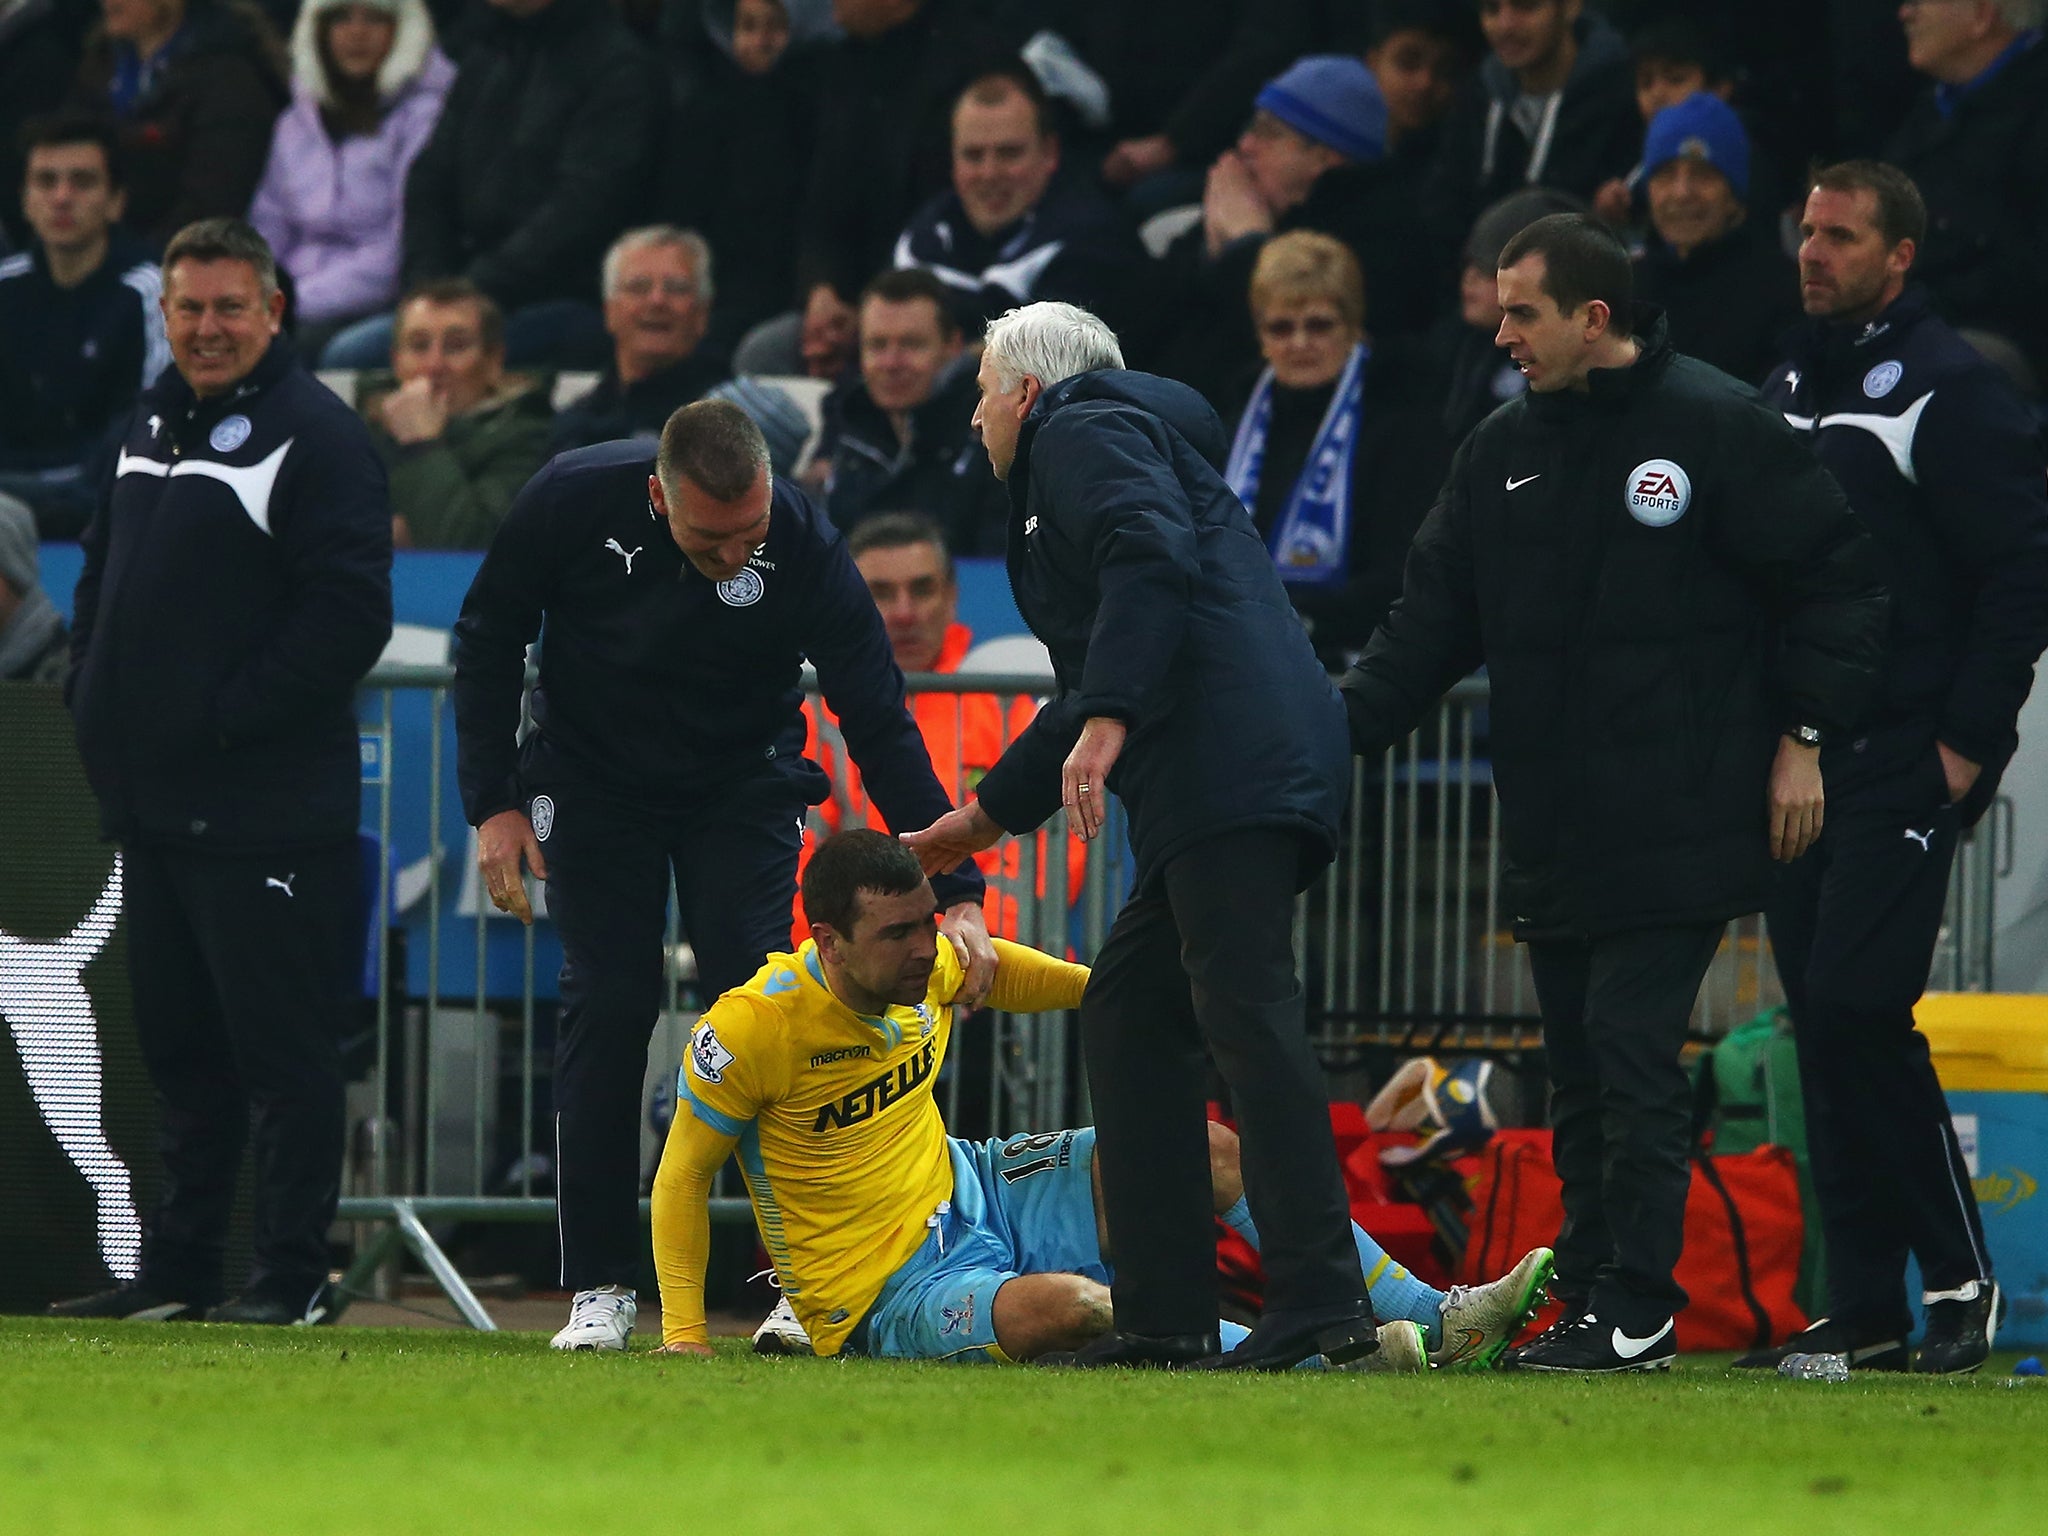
1987	1042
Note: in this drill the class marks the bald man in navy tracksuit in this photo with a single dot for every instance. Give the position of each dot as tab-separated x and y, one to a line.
668	746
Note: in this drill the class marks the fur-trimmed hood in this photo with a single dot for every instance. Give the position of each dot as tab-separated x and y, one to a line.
411	48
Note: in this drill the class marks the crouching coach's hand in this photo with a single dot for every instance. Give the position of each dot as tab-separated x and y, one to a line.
968	929
501	842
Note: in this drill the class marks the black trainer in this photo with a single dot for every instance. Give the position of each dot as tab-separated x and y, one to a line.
1960	1330
1863	1348
128	1303
1281	1340
1136	1351
1586	1345
269	1309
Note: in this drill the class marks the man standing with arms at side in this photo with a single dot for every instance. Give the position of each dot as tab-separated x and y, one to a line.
1675	606
1188	688
237	586
682	590
1941	463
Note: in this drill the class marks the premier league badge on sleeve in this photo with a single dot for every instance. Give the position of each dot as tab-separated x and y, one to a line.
229	433
708	1059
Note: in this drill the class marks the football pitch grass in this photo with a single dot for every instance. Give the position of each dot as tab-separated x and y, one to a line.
116	1428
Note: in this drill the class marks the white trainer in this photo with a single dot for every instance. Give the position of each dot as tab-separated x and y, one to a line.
600	1320
780	1333
1479	1322
1403	1351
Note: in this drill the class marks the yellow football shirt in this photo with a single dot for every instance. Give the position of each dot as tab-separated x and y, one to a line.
838	1137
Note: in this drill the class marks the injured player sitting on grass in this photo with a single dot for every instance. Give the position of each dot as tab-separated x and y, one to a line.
893	1240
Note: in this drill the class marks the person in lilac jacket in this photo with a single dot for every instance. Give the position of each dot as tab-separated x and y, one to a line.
367	86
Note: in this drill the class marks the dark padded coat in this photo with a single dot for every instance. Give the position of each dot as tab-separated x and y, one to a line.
1142	573
1940	458
1660	580
543	155
237	586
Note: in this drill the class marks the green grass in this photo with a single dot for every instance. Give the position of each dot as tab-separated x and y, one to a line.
115	1428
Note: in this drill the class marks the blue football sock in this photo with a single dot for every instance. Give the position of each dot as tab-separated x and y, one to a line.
1395	1293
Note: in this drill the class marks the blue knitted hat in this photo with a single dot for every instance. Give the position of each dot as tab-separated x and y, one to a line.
1333	99
1701	127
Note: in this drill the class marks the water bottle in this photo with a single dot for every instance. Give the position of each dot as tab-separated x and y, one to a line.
1814	1367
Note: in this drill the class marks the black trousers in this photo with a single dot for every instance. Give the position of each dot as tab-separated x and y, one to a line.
1853	927
242	969
733	860
1614	1021
1210	964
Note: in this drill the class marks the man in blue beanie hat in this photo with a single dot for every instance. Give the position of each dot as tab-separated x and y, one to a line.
1725	283
1314	156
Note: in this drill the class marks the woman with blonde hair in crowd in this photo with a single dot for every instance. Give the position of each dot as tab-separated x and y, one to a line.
1334	464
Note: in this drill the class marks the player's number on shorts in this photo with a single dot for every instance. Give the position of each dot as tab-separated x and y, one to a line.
1027	1147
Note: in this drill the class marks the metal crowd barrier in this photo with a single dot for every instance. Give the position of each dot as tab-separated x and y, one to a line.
1403	942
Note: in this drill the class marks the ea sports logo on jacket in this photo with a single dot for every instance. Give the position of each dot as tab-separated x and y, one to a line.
1658	493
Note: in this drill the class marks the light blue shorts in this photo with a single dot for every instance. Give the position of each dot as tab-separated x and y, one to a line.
1024	1205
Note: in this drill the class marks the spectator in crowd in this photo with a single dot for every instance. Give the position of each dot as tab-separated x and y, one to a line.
1726	285
37	61
784	426
903	558
1944	467
236	587
1180	74
740	152
1673	59
81	326
543	150
35	647
1553	106
1330	458
1476	376
1977	145
1420	52
1014	227
884	145
1313	157
898	436
657	302
457	436
194	86
367	86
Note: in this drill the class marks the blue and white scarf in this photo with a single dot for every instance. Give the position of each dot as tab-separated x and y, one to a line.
1311	538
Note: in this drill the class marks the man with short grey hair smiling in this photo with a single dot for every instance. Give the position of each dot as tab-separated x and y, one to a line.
1187	688
657	304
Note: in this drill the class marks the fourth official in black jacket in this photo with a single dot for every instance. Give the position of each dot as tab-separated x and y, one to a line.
1662	584
1939	458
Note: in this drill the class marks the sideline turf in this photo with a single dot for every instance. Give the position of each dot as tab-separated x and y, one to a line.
161	1428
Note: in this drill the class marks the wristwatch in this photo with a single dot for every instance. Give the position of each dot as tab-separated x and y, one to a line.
1806	735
